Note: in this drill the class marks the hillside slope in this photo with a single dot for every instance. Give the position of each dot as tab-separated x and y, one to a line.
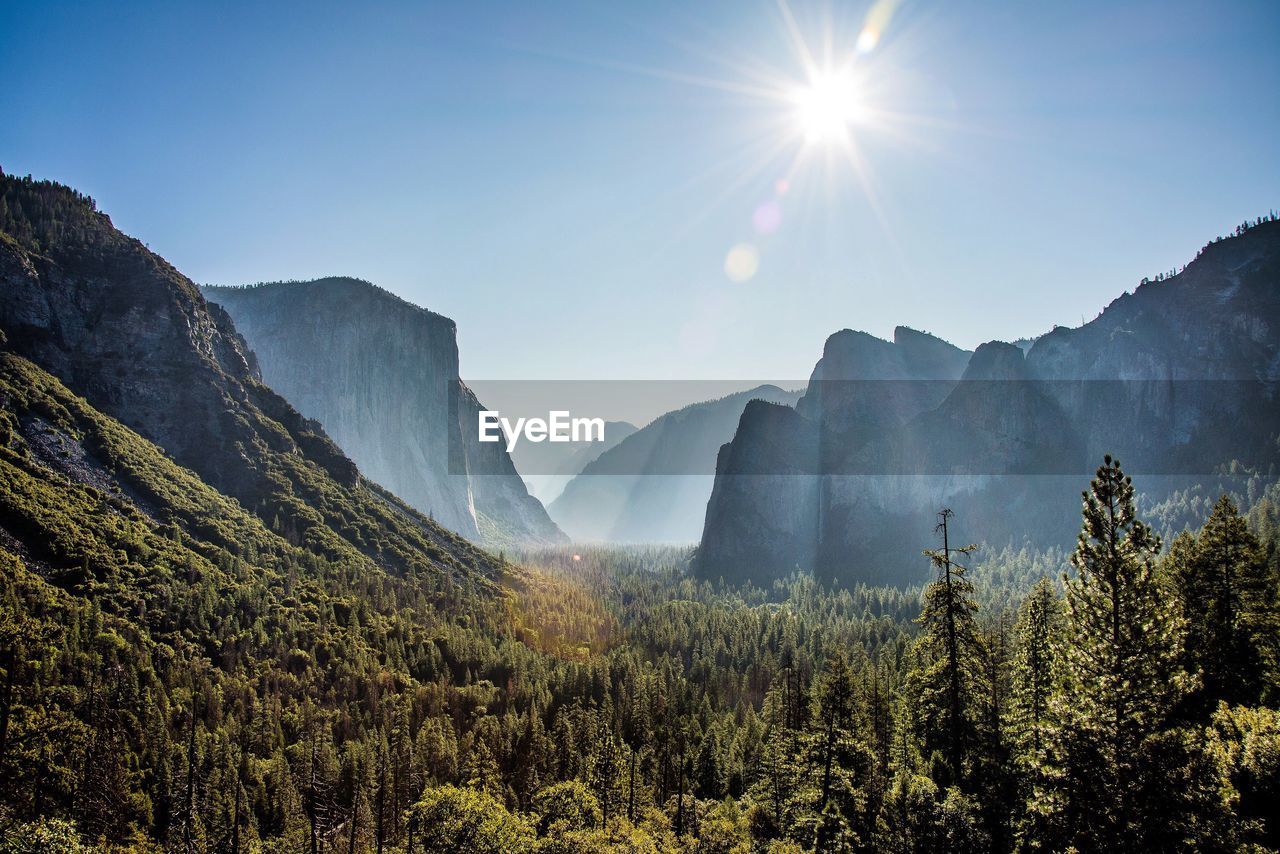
119	325
548	467
116	560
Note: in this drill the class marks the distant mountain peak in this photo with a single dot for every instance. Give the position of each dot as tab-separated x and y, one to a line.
996	360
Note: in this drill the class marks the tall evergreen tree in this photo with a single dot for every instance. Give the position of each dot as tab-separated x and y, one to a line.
840	756
1034	669
949	658
778	777
995	782
1119	652
1033	682
1229	601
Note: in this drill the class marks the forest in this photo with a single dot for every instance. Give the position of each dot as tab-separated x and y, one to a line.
227	691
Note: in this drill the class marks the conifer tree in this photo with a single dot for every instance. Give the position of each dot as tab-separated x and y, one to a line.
1034	670
994	785
1119	652
842	760
1034	667
949	655
1228	600
778	778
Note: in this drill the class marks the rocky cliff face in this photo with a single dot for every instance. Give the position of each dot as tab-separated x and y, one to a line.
124	329
775	507
381	375
653	486
1176	379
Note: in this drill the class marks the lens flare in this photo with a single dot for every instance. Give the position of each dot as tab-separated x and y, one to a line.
877	21
741	263
767	218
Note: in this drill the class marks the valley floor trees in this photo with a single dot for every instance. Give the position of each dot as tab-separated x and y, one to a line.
1129	702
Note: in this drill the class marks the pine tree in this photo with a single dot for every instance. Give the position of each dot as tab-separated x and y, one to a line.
607	767
1228	600
995	782
709	769
949	656
778	778
842	760
1034	674
1119	654
480	769
1033	670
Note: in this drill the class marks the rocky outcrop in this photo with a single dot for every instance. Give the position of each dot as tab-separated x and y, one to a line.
764	517
1177	379
776	506
381	375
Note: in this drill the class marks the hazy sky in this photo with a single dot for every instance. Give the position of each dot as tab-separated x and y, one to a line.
566	180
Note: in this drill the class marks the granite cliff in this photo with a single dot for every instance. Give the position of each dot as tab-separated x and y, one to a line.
381	375
653	486
1178	379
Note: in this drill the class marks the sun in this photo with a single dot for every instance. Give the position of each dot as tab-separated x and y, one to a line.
828	106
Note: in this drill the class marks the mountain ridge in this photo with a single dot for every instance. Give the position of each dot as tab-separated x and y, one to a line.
1159	378
653	485
126	330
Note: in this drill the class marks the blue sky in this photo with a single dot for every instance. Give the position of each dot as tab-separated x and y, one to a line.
565	180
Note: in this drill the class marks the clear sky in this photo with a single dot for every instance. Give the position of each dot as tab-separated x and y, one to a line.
566	180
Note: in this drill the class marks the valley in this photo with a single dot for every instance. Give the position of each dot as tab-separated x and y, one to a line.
263	590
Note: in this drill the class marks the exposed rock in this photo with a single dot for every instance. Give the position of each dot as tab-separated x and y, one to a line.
124	329
653	486
381	375
1176	379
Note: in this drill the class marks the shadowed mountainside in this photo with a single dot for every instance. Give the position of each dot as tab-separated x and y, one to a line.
120	326
1178	379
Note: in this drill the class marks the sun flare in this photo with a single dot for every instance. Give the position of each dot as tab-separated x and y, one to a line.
827	107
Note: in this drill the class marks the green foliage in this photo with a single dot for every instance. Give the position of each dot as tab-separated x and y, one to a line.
567	806
1246	744
1120	652
1229	597
40	213
43	836
176	674
447	818
948	663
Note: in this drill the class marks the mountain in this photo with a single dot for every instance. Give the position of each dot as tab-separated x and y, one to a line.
1177	379
653	486
765	515
547	467
310	664
119	326
179	660
381	375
